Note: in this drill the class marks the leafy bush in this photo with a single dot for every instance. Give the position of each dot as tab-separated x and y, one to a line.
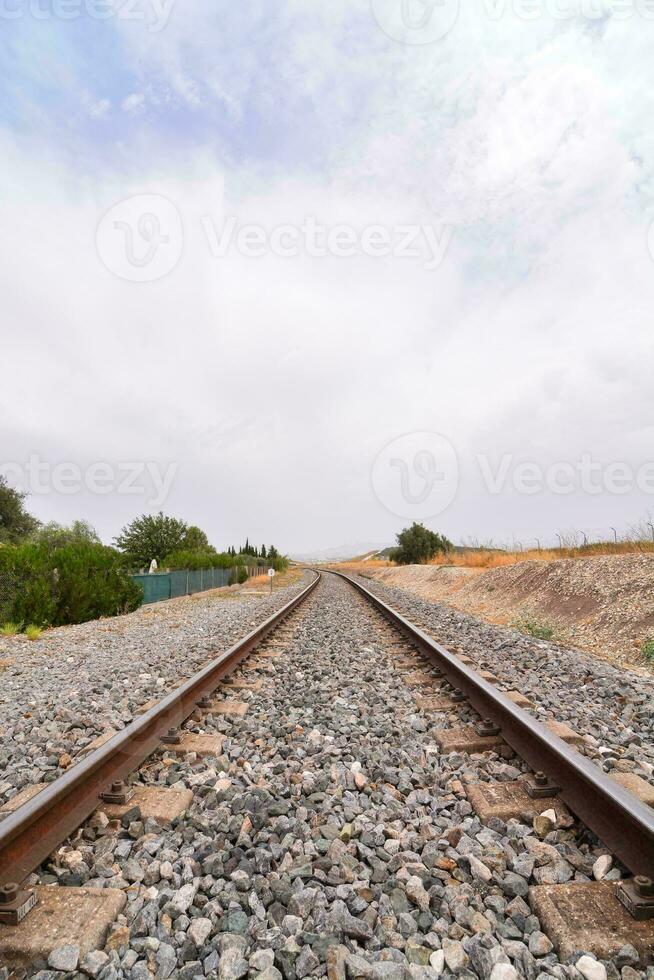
239	575
535	628
196	560
15	523
58	535
59	586
417	545
648	649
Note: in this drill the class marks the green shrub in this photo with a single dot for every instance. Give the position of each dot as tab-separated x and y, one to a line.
417	545
58	535
195	560
33	632
9	629
535	628
648	649
92	583
15	523
62	585
239	575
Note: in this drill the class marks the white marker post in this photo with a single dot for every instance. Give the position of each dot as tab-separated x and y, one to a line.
271	575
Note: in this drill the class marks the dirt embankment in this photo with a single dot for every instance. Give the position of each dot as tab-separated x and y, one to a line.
603	605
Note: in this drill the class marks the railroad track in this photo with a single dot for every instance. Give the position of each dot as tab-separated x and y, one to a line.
443	686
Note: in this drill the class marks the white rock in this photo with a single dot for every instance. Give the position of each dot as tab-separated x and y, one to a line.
590	968
602	867
504	971
417	893
199	931
437	961
64	958
183	899
95	962
479	869
292	925
262	960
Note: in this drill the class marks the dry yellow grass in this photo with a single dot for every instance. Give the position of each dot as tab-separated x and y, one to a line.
497	559
494	558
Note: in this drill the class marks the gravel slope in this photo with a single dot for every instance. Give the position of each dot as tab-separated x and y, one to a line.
601	604
75	683
330	837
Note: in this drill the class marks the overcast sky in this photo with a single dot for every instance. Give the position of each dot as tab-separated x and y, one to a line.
472	347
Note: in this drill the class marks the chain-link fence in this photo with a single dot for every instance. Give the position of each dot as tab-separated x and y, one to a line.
171	585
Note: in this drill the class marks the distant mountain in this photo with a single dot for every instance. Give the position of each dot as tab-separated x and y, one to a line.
341	553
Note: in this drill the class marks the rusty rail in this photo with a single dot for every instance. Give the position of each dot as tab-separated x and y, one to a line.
620	820
30	834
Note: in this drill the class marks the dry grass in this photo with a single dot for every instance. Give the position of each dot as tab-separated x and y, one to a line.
496	559
482	558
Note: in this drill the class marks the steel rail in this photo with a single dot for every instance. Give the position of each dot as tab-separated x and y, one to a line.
620	820
30	834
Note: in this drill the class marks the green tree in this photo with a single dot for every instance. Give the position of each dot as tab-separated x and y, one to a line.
151	536
264	554
15	522
417	545
196	540
55	535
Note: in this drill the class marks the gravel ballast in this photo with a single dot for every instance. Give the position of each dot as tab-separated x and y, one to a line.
330	837
600	604
76	683
611	706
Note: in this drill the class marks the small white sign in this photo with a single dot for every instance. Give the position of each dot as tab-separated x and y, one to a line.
271	572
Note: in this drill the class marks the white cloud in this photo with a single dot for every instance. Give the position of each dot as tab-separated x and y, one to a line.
275	382
97	110
134	103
